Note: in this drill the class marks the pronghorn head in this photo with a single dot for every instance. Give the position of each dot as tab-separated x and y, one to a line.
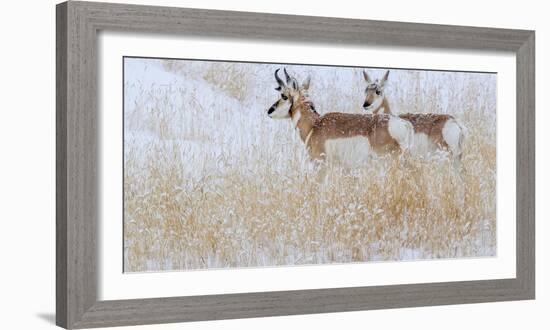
290	91
374	93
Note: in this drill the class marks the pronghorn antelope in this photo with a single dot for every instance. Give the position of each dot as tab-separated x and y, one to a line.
340	136
431	131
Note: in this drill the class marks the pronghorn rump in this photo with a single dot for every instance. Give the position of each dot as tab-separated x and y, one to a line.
436	131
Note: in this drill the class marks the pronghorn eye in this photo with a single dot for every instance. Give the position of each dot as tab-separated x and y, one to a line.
378	92
284	97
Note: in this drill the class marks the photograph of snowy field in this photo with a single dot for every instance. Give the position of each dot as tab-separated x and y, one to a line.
237	164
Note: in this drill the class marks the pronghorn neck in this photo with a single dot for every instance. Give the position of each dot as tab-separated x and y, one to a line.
386	106
380	105
303	116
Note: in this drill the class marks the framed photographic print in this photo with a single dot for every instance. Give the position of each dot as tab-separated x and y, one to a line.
216	165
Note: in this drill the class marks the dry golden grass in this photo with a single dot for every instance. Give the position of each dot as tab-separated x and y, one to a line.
232	188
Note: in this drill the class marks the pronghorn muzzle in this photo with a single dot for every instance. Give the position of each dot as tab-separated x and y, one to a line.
272	110
273	107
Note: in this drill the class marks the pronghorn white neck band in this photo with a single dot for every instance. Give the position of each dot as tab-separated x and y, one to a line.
308	136
375	105
296	118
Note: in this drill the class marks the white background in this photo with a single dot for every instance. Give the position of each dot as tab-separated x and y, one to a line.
27	173
116	285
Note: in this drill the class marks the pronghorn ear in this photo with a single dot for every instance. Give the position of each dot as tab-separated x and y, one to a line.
385	78
366	76
305	84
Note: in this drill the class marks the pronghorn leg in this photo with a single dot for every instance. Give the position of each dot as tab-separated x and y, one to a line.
318	155
322	172
453	134
459	165
458	178
404	156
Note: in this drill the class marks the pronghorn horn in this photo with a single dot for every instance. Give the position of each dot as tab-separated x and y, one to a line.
279	80
291	80
288	79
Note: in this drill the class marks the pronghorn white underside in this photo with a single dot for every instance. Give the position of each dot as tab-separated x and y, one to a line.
348	151
453	135
296	118
357	149
422	145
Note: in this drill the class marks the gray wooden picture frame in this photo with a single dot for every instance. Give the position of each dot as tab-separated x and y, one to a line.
77	190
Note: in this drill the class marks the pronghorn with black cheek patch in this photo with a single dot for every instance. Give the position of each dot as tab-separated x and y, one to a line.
348	138
431	131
